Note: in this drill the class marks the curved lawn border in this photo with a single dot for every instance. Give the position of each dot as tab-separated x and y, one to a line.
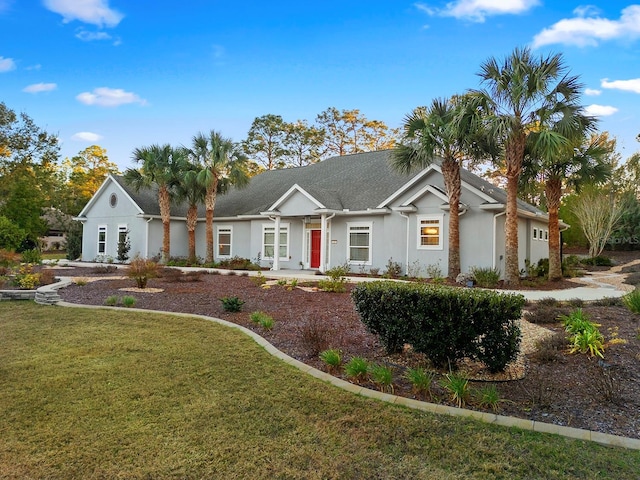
569	432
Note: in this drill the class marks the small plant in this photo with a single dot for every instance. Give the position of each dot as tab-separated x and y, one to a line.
259	279
141	270
332	357
282	282
632	301
549	348
434	272
486	277
382	376
420	379
81	282
111	301
357	368
316	336
374	271
128	301
231	304
457	386
607	382
415	269
393	269
32	256
263	319
488	397
336	282
585	336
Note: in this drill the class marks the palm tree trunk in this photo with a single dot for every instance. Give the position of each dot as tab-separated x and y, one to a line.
164	202
210	203
451	174
514	157
192	220
553	192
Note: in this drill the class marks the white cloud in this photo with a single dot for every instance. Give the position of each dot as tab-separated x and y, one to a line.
7	64
40	87
34	67
632	85
95	12
109	97
87	36
592	92
595	110
478	10
86	137
588	29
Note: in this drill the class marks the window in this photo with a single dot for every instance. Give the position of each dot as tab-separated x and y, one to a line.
430	232
535	233
122	234
268	241
102	239
113	200
224	241
546	235
359	243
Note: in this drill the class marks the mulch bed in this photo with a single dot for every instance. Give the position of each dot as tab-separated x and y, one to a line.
571	390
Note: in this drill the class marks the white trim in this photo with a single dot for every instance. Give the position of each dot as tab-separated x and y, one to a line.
270	226
427	188
546	235
224	229
369	226
291	191
409	184
440	226
110	179
101	228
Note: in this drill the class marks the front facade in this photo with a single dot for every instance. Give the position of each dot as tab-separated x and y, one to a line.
352	209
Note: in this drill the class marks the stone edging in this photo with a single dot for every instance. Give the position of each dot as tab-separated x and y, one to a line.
569	432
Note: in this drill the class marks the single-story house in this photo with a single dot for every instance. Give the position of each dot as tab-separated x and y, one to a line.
352	209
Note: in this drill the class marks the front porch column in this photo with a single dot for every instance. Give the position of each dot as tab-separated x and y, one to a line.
323	242
276	245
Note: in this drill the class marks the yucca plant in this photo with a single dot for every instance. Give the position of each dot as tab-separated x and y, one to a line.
357	368
632	301
382	376
128	301
588	341
458	386
332	357
488	397
420	379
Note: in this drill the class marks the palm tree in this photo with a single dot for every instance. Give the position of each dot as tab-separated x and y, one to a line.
193	192
159	165
223	165
431	132
528	103
574	165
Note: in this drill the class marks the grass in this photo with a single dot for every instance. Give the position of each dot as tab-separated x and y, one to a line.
109	394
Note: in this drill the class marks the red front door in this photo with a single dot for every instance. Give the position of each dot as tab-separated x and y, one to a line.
315	248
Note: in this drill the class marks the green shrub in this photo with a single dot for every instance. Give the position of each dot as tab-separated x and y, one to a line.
420	379
231	304
336	282
32	256
332	358
261	318
632	301
382	376
393	269
457	386
357	368
584	334
111	301
28	281
128	301
445	324
485	277
488	397
238	263
597	261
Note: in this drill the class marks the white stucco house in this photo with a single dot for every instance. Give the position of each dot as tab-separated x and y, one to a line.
351	209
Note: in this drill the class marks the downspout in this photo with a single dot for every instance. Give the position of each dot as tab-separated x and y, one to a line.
495	234
276	245
406	256
323	240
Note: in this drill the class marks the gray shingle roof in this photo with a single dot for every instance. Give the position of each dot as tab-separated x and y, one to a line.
353	182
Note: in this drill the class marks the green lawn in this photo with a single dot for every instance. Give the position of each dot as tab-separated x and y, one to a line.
103	394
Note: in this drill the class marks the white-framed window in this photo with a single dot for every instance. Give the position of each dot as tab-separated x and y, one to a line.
359	243
102	239
123	230
546	235
268	241
535	233
224	241
430	232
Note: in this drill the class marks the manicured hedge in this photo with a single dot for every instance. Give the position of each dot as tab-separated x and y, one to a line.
445	323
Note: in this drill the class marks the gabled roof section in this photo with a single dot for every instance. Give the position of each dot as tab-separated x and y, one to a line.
423	191
116	181
289	193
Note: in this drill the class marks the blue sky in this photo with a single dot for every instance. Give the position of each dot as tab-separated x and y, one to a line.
125	74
